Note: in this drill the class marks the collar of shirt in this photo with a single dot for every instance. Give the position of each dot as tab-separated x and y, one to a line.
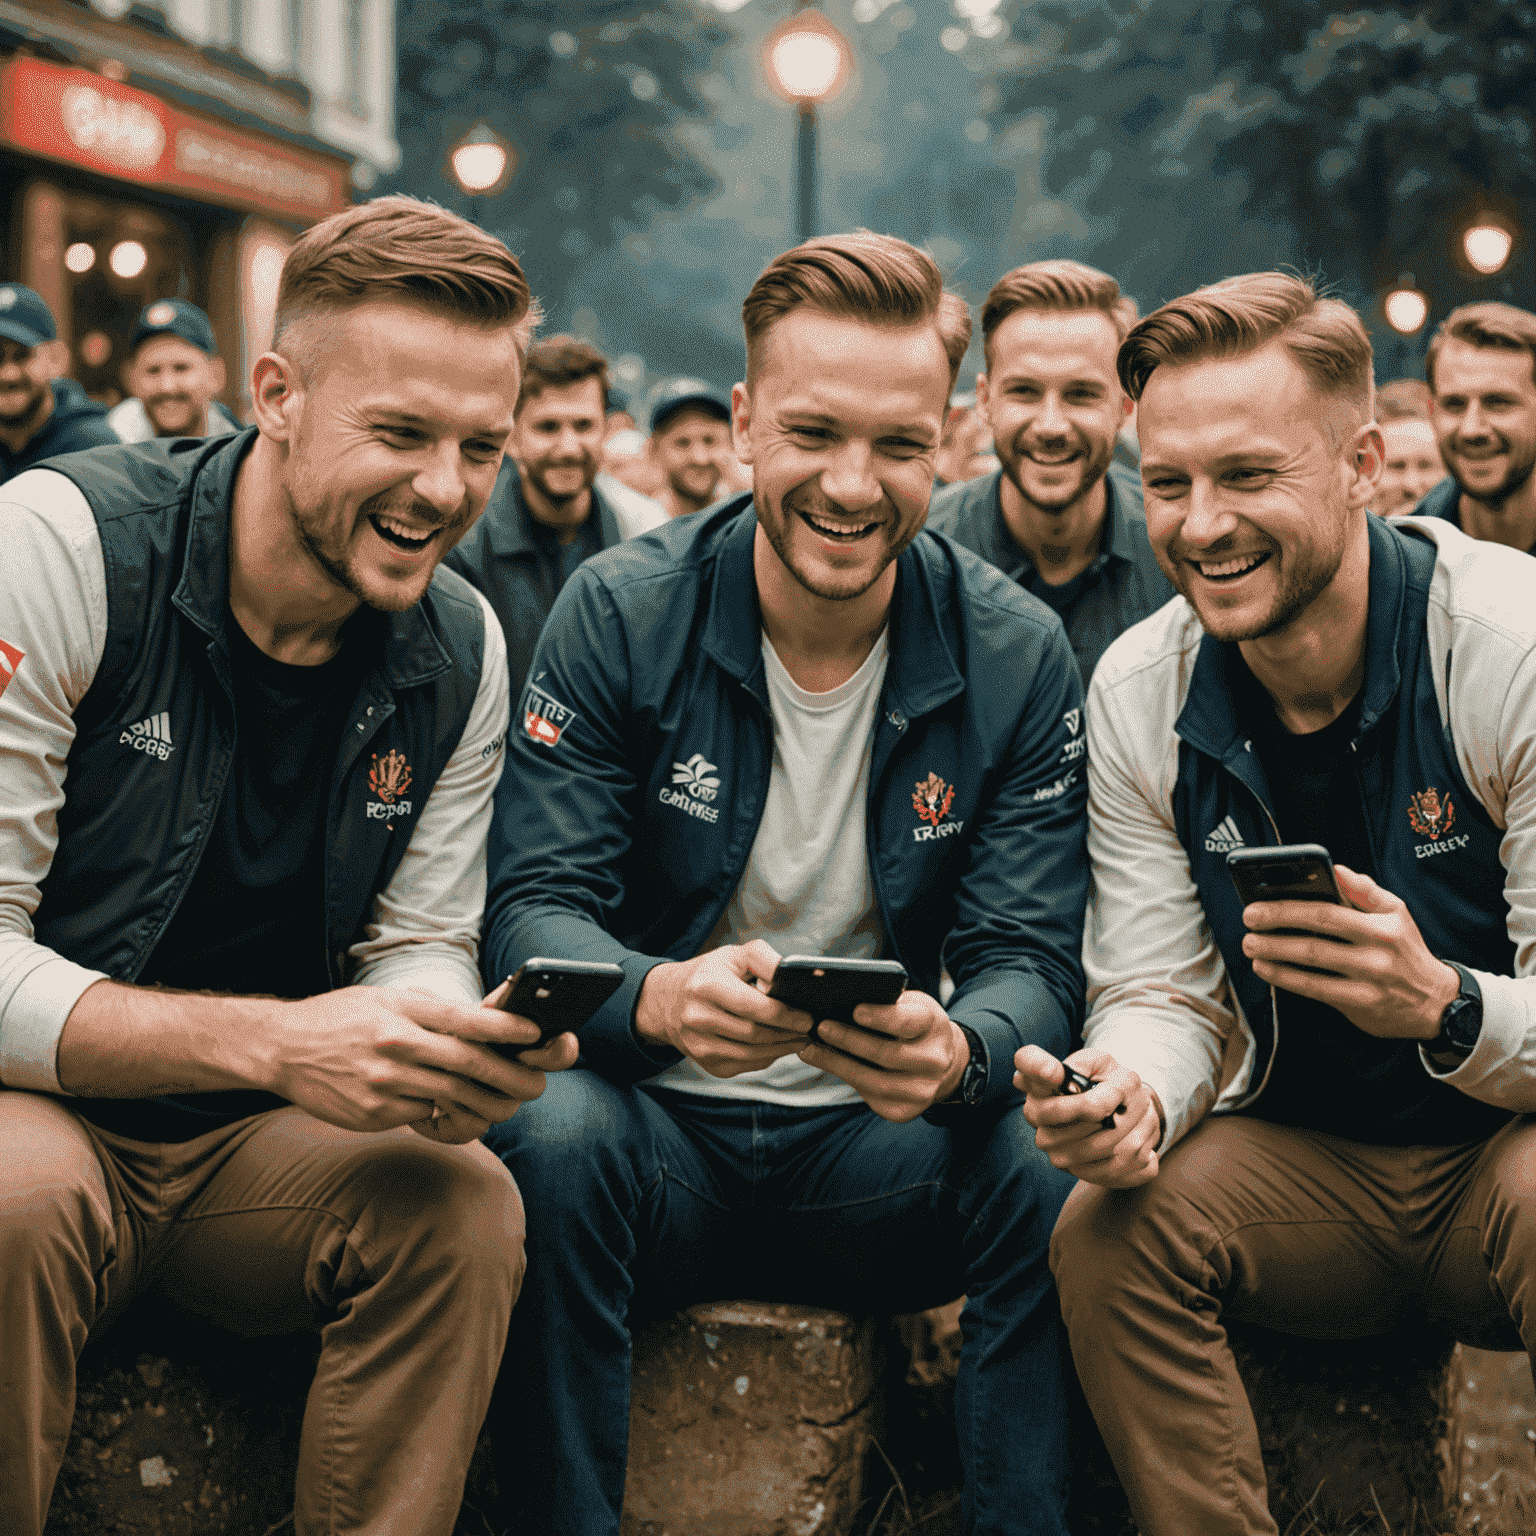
998	545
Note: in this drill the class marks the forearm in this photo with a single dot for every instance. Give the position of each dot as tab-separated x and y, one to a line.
125	1042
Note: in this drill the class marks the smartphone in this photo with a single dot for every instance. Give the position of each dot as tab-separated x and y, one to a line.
827	987
1291	872
558	996
1075	1082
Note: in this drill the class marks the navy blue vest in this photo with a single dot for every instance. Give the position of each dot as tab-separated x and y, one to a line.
1431	841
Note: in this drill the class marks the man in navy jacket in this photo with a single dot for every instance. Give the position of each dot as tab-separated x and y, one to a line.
797	724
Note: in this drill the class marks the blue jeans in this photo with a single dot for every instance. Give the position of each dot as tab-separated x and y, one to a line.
643	1200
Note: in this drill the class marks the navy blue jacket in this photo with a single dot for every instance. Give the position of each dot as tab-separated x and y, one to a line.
76	422
1121	585
653	654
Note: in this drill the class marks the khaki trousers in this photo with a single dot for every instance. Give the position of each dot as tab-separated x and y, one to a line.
406	1256
1296	1231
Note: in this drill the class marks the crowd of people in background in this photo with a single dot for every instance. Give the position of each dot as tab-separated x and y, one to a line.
317	730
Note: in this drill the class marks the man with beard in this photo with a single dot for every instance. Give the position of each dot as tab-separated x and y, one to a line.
1060	516
173	374
40	414
1482	369
1320	1111
798	723
251	735
548	513
690	443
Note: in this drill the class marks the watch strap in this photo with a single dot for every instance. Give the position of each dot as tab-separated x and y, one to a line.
1460	1024
973	1080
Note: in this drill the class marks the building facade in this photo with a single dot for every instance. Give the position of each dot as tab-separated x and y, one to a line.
176	150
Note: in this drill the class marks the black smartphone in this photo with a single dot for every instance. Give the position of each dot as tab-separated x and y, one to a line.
827	987
1076	1082
558	996
1290	872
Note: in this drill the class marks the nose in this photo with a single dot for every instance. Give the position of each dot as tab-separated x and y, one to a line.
850	479
569	445
1207	519
440	480
1051	420
1472	425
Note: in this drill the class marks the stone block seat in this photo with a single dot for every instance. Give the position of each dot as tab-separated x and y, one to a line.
751	1419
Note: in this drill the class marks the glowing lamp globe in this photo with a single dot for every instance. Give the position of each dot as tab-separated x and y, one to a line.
128	258
1407	310
808	60
1487	247
479	167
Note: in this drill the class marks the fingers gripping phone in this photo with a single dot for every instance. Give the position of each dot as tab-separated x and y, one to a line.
558	996
1075	1082
1291	872
827	987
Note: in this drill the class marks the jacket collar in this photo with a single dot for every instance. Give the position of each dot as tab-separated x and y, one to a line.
509	521
1209	721
921	673
411	653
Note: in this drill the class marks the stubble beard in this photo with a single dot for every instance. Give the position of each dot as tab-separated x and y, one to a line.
1091	469
1510	486
12	420
1301	586
563	499
778	534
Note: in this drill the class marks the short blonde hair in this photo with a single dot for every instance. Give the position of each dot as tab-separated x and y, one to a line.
1324	336
1500	327
861	276
1056	287
403	248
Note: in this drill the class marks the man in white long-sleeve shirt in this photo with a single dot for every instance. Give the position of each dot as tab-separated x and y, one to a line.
251	736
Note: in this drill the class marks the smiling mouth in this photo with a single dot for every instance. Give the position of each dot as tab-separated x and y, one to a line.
1229	570
837	533
399	534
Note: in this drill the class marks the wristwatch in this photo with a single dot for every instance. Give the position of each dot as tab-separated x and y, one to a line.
1460	1024
973	1081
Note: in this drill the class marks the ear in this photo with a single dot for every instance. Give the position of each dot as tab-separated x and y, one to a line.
1367	455
276	396
1127	408
983	395
741	423
220	375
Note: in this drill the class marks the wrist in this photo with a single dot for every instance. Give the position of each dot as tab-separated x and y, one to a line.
655	1003
959	1060
1443	991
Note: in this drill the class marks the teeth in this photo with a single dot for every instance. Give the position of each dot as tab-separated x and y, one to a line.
836	529
415	535
1228	567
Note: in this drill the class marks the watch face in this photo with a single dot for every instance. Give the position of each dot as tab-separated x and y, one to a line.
1462	1022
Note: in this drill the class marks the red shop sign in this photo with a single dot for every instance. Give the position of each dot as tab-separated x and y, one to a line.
86	119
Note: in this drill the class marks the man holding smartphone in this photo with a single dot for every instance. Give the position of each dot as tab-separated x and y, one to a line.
250	736
1323	1130
796	725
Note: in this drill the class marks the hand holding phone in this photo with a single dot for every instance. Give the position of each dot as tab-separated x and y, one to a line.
829	987
1075	1082
557	995
1289	872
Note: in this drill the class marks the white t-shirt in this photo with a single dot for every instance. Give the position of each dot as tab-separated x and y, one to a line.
806	888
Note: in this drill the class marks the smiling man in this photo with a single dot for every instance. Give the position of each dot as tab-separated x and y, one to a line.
799	724
41	414
251	735
1482	369
1059	516
174	374
1319	1111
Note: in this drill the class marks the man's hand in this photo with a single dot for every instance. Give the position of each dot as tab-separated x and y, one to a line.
369	1058
714	1011
1386	982
1069	1128
899	1077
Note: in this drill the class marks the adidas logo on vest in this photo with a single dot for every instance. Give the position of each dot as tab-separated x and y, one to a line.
152	736
1225	838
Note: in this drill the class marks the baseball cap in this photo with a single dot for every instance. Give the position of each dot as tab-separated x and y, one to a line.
675	395
24	317
173	317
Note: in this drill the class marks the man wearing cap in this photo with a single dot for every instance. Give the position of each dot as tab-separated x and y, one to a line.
174	373
40	414
690	440
547	513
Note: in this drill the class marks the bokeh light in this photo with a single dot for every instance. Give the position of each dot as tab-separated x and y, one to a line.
128	258
806	65
478	167
1487	247
80	257
1407	310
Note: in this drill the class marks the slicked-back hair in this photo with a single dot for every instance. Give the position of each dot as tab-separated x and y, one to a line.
862	276
1501	327
404	249
1241	314
553	362
1056	287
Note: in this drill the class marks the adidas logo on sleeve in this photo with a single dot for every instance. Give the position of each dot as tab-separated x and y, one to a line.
151	736
1225	838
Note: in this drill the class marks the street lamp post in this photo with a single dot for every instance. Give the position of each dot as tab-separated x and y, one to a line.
808	61
481	163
